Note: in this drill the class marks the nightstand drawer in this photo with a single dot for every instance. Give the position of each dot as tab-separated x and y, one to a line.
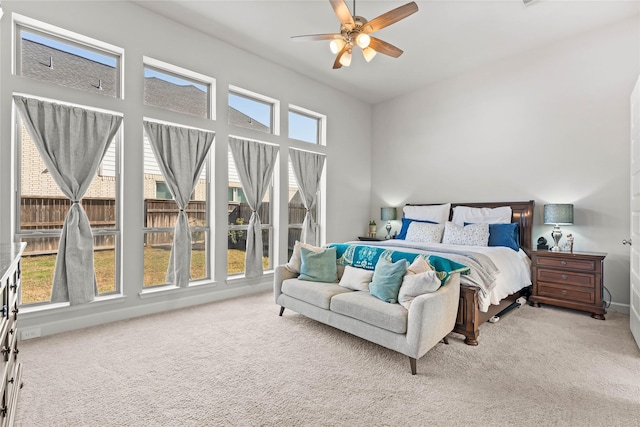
564	277
566	293
564	263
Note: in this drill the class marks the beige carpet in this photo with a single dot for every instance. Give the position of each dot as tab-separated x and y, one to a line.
237	363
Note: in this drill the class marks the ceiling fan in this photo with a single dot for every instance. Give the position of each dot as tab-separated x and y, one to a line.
355	30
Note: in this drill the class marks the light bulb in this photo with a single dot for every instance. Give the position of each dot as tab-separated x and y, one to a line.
345	59
368	53
336	45
363	40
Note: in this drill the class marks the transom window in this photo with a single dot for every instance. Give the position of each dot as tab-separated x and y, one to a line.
253	111
306	125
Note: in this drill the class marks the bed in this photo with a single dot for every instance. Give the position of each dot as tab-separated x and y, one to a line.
514	278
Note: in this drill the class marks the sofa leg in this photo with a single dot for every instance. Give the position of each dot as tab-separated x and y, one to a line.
281	311
412	362
445	340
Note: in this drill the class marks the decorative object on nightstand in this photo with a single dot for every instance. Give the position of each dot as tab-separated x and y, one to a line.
373	229
568	279
388	214
557	215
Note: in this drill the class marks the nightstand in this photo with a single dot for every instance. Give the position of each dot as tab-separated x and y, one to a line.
568	279
369	239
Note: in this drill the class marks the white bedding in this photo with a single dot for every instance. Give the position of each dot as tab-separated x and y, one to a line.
513	268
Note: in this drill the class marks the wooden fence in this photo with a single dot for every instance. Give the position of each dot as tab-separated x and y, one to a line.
48	213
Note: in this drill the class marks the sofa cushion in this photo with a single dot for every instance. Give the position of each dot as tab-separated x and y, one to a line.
361	305
387	279
318	266
315	293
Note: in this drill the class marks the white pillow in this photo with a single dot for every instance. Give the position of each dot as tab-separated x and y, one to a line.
424	232
434	213
470	235
419	265
357	279
414	285
296	261
500	215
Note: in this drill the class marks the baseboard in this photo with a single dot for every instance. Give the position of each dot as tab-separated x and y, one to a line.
48	325
619	308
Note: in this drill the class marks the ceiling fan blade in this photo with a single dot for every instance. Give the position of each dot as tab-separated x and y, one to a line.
336	63
390	17
381	46
342	12
316	37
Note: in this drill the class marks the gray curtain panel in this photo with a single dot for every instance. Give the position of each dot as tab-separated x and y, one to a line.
72	142
181	153
255	162
307	168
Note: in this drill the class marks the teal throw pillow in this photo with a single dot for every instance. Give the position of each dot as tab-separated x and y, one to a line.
318	266
387	279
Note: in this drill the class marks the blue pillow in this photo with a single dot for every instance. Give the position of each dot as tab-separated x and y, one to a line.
387	279
504	235
405	226
318	266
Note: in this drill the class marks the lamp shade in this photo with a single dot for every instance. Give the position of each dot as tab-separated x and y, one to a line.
560	214
388	214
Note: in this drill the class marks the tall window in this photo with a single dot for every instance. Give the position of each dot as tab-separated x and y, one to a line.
57	56
239	215
160	215
41	213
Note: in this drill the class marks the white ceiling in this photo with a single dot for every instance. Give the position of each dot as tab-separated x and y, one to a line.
444	38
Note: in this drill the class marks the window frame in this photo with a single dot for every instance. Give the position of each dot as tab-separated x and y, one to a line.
21	23
184	74
263	99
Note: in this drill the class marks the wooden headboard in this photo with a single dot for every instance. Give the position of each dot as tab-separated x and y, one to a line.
522	213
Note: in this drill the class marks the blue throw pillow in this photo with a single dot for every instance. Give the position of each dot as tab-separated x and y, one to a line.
387	279
318	266
405	226
504	235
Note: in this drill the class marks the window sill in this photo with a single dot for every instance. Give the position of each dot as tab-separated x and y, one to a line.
46	309
172	289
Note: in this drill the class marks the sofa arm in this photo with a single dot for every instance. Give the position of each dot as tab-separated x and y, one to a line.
281	274
432	316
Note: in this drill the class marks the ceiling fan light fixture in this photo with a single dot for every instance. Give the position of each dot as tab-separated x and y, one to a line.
336	45
345	59
363	40
368	53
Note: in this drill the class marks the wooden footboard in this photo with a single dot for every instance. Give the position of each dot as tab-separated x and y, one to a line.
469	315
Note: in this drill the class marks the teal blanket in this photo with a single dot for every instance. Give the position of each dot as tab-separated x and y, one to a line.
366	257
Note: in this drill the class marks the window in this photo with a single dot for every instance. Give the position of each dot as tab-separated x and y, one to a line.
253	111
41	212
239	215
177	89
53	55
160	216
305	125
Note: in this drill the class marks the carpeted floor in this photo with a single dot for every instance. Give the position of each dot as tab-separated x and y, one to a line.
237	363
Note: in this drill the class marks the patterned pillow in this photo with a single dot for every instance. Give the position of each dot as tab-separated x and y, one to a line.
470	235
424	232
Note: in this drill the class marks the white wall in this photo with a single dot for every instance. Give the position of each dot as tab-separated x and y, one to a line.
142	33
551	125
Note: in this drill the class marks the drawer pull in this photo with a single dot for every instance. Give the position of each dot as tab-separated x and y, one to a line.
5	350
564	292
10	381
13	286
563	262
564	277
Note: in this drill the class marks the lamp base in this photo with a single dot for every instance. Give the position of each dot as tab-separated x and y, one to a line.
388	227
556	234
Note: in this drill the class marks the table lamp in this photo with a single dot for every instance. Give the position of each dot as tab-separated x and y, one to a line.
557	215
388	214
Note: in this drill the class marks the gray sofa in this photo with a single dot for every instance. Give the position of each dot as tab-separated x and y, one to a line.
411	332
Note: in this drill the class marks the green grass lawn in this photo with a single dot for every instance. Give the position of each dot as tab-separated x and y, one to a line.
37	271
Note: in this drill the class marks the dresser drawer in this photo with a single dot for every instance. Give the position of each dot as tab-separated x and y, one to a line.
566	293
564	277
566	263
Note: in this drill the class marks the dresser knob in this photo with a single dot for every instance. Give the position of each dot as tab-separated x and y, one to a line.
563	262
564	277
564	292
